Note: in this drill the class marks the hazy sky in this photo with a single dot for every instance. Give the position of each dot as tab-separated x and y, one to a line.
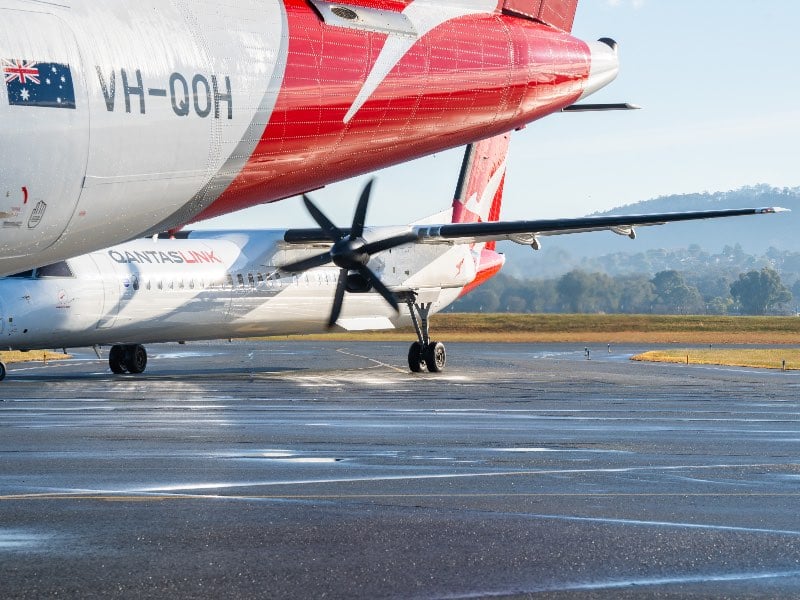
719	83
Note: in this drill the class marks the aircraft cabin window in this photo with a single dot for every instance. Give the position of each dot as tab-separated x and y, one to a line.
240	279
230	280
251	280
59	269
260	278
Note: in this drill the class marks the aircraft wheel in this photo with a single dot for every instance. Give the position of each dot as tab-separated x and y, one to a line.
116	360
415	360
135	359
2	371
435	357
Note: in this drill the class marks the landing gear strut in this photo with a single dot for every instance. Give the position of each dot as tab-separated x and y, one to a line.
424	353
128	358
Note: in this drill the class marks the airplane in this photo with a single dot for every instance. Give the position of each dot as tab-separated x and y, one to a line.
202	285
134	117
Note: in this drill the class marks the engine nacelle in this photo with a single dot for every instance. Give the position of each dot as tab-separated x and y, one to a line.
357	284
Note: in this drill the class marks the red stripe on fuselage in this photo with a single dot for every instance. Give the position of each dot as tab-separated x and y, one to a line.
490	264
470	78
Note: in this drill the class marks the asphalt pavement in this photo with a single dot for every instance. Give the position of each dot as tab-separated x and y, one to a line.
327	470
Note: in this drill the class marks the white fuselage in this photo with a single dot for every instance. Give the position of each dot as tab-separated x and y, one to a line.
211	286
159	111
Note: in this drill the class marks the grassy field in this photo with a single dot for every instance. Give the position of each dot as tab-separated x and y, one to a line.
654	329
604	329
763	358
32	356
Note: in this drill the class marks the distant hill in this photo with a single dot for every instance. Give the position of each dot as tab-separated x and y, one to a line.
755	234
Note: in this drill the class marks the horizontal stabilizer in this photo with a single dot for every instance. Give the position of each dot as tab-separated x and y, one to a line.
600	107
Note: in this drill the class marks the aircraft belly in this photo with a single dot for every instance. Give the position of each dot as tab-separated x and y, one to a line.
219	314
296	308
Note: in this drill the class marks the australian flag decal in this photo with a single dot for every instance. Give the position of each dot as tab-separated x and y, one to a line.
44	84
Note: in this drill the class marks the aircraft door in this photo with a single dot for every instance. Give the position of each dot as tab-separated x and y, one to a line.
44	114
112	285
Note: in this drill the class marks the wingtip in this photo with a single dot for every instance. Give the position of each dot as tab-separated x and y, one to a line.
772	209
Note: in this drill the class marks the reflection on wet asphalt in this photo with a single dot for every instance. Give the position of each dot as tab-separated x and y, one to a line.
291	469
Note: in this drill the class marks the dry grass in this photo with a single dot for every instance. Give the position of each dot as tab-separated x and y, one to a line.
763	358
32	356
598	329
615	329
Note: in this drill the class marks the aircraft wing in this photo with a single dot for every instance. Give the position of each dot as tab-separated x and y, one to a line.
528	232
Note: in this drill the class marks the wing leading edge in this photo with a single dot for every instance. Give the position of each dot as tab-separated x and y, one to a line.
528	232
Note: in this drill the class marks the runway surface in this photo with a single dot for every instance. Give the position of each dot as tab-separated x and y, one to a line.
307	469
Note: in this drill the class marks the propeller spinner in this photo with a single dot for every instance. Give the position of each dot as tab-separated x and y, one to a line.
350	253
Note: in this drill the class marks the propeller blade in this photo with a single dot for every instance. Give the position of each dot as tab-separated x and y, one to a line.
338	298
307	263
324	222
360	215
388	243
379	287
348	252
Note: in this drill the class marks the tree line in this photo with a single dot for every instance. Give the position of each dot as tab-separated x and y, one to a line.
755	292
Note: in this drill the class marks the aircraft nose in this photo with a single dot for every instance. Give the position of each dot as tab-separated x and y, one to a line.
604	65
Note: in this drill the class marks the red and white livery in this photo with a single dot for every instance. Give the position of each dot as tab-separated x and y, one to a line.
133	117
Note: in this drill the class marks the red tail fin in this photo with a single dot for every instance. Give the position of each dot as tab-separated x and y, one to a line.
478	198
480	187
556	13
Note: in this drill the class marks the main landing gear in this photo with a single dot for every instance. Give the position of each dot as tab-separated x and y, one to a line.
128	358
2	371
424	353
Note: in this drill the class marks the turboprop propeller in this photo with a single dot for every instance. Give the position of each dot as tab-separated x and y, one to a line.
351	253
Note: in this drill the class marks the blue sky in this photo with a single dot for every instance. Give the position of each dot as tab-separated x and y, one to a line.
719	83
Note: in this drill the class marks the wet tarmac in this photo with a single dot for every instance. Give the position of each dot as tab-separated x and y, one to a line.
310	470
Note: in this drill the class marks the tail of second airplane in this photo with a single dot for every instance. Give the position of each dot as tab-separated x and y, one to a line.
556	13
478	198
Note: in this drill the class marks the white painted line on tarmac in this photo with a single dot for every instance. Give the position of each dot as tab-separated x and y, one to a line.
434	476
666	524
632	583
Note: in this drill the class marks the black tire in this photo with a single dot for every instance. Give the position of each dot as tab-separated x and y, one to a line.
435	357
135	359
116	360
415	360
2	371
